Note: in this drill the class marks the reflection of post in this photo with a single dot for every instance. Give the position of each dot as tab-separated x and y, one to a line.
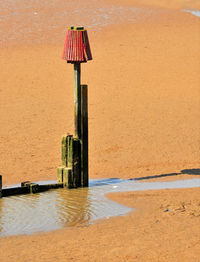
75	206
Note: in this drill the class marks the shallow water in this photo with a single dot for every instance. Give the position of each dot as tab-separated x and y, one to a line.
44	21
194	12
55	209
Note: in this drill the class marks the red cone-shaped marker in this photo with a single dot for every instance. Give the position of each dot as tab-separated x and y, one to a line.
77	47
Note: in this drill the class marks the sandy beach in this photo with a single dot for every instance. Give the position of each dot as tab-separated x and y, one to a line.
144	120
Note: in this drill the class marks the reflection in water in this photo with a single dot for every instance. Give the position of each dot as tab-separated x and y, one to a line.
60	208
74	206
55	209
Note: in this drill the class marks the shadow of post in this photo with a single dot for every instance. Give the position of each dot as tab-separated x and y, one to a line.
193	171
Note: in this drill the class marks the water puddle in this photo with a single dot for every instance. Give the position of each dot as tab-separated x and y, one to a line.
55	209
194	12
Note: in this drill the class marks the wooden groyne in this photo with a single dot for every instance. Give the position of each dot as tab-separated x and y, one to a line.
74	170
27	188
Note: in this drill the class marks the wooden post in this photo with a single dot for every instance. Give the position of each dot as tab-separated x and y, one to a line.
67	177
73	161
64	150
75	150
60	177
84	135
34	188
0	186
76	164
70	151
77	99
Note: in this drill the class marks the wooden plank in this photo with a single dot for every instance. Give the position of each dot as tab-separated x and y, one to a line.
46	187
30	188
33	187
15	191
84	136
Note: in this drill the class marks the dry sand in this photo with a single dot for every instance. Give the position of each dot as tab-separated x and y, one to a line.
144	111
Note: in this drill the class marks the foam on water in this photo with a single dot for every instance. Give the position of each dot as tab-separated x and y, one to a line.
55	209
47	23
194	12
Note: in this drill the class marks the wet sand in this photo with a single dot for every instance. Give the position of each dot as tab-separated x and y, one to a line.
144	111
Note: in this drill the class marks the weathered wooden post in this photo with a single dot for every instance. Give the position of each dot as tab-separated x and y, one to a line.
77	99
74	172
84	135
